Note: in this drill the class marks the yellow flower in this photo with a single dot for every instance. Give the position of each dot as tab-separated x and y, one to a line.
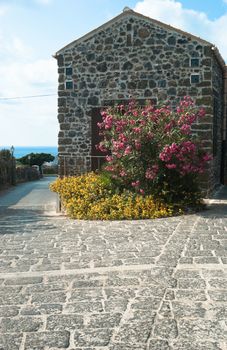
90	197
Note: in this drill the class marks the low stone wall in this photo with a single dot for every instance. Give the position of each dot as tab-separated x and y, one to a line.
9	175
7	169
24	174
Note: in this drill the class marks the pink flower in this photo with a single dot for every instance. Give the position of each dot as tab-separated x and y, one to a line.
152	172
100	125
150	135
118	145
202	112
108	122
207	157
119	128
128	150
142	191
103	114
179	110
137	130
168	127
121	108
187	102
171	166
123	173
109	158
101	147
187	118
185	129
135	183
109	168
188	146
168	151
123	138
137	145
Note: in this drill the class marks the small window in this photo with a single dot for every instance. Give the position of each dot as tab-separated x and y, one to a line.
69	85
195	78
194	62
68	71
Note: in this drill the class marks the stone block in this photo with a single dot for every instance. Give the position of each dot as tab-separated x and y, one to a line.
166	328
142	84
64	322
143	33
20	324
10	341
102	67
40	340
92	337
127	66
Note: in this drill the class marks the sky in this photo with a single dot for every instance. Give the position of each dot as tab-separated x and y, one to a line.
31	31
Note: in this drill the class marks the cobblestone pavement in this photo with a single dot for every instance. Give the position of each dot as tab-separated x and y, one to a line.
154	285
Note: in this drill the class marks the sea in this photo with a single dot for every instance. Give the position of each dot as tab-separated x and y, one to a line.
20	151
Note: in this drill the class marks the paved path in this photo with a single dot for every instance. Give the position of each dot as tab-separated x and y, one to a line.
29	195
135	285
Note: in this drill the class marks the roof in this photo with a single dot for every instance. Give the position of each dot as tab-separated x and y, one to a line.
129	12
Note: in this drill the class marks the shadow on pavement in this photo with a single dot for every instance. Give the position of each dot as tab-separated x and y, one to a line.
16	221
218	210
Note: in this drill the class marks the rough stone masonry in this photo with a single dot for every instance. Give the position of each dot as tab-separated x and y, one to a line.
133	56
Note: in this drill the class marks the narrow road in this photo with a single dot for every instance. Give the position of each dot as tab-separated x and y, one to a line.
34	195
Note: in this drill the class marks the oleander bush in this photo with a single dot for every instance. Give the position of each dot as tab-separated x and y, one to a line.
152	168
153	150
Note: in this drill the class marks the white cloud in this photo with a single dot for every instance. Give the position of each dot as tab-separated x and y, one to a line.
172	12
37	77
13	48
27	121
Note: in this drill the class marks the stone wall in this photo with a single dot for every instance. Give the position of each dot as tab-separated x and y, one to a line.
217	121
133	58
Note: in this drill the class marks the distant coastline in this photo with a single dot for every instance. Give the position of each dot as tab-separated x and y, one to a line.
20	151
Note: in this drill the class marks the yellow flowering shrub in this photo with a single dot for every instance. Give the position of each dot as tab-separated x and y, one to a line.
92	197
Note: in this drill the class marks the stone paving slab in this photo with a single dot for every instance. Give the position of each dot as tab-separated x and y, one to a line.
133	285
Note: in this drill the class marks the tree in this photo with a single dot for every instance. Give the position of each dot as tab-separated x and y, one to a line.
36	159
5	154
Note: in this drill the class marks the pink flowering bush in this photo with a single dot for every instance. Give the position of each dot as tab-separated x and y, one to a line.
152	149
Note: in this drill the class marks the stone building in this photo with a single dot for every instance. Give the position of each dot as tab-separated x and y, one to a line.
136	56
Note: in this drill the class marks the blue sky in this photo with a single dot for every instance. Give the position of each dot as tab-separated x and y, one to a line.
31	31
